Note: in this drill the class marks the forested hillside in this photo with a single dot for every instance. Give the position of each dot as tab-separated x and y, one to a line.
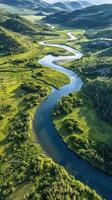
91	17
9	42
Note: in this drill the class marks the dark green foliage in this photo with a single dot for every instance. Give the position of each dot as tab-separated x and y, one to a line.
33	64
100	91
17	25
90	65
71	125
8	43
18	130
30	87
66	104
5	108
32	101
49	180
2	116
101	33
97	44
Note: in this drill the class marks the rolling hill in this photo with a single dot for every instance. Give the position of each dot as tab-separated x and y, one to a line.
14	31
17	24
70	6
27	6
9	42
96	16
40	6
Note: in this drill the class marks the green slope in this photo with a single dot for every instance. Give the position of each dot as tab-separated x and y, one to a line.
9	42
91	17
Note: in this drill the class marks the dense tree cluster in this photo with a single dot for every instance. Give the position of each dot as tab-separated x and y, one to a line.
66	105
18	129
102	33
33	64
8	43
31	101
98	154
100	91
48	180
18	25
31	87
71	125
4	108
90	64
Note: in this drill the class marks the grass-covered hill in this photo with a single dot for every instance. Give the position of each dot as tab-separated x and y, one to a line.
97	16
16	23
9	42
11	39
14	32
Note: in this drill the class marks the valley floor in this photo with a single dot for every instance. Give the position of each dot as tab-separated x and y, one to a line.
26	172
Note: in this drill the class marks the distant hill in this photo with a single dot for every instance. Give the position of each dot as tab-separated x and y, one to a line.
70	6
40	6
23	7
91	17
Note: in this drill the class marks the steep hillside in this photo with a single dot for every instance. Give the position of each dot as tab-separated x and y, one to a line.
16	23
92	17
11	28
9	42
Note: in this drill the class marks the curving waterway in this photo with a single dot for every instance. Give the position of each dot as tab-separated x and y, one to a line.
50	140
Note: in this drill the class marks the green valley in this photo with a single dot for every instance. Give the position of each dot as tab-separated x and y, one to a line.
55	101
25	171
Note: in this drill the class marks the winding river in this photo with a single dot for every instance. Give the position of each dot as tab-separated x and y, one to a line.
50	140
